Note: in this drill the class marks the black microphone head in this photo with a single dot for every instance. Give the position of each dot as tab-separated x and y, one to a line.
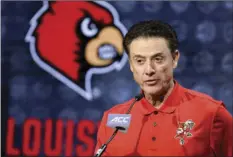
139	97
120	128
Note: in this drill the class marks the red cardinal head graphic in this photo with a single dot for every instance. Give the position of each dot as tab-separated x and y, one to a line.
74	40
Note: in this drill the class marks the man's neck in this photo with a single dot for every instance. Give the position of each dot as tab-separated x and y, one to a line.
157	100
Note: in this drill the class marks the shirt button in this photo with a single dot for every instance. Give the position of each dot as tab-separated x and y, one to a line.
153	138
154	123
156	112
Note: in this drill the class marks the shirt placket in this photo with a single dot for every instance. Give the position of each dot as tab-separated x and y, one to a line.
152	138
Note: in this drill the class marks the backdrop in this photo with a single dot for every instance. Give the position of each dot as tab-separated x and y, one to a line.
53	97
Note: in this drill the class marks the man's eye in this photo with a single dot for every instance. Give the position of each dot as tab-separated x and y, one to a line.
139	61
159	59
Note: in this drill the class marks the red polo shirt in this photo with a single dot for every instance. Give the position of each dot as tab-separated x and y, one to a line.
152	132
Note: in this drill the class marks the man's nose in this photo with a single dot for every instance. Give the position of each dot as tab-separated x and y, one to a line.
150	70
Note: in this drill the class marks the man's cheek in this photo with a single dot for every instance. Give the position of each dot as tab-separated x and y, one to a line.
163	68
166	70
162	71
165	73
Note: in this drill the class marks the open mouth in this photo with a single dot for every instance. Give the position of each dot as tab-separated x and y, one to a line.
107	51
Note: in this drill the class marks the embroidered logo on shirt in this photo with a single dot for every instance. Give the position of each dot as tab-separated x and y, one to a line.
184	131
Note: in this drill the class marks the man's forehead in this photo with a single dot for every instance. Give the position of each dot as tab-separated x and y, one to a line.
149	41
148	46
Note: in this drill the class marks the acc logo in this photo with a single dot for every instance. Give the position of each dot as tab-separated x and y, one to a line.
120	120
74	40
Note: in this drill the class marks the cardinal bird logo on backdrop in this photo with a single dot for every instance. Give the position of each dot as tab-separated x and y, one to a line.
74	40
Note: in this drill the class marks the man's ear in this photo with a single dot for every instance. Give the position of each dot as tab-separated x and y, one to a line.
176	56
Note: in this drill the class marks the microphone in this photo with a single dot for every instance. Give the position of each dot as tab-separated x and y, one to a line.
121	127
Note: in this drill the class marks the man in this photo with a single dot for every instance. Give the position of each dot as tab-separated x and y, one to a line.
169	120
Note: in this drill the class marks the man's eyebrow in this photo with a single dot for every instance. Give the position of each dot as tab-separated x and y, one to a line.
138	56
157	54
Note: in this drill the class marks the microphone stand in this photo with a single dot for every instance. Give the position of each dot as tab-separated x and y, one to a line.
101	150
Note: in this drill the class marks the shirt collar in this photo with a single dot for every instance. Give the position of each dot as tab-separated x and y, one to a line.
169	105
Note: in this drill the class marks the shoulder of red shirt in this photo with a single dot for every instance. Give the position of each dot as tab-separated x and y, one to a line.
205	97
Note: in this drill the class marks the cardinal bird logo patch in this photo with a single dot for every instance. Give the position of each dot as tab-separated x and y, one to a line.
76	39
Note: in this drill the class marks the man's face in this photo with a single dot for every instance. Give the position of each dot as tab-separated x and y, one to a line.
152	64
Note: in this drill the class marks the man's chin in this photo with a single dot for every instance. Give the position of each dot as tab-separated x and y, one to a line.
152	90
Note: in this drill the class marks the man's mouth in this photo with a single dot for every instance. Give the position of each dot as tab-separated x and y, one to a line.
151	82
